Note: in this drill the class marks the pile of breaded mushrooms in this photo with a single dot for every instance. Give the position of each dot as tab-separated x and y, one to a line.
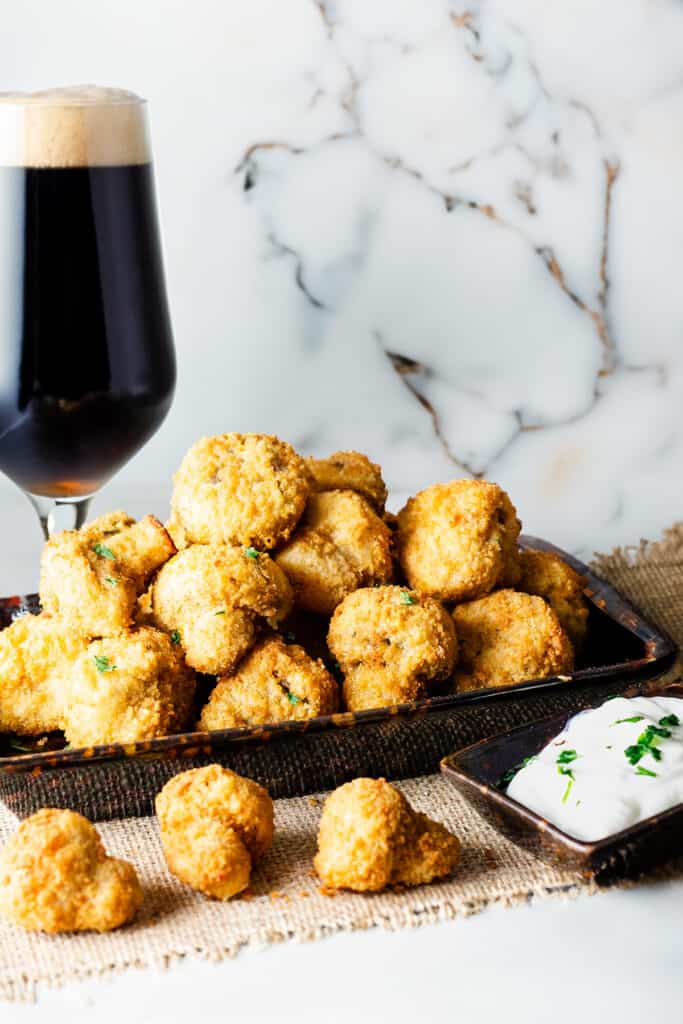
285	584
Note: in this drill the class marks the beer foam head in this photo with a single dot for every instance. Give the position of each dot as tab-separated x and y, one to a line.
77	126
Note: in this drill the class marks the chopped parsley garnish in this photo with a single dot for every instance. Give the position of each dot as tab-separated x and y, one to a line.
635	718
647	744
645	771
21	747
407	598
104	552
670	720
252	553
509	775
102	663
563	759
175	636
292	698
110	581
221	611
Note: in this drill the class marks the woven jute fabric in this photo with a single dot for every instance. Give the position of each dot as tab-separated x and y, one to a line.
285	900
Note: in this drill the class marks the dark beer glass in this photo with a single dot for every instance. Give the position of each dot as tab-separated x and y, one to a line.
87	366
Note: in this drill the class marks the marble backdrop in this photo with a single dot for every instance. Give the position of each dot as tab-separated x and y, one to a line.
448	234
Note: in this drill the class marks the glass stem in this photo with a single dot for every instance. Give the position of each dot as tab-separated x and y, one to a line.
60	513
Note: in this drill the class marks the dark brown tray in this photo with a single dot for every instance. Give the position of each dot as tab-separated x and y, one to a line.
294	758
478	771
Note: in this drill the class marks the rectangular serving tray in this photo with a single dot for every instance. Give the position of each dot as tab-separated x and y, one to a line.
294	758
477	771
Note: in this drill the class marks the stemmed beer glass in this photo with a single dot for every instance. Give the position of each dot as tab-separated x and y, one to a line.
87	365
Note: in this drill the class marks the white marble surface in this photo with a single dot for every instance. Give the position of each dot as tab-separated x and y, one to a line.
446	233
449	234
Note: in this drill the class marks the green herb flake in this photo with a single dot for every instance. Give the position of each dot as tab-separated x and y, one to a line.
567	756
647	743
563	759
635	718
175	636
252	553
111	582
102	663
407	598
645	771
21	747
292	698
104	552
670	720
565	795
289	637
221	611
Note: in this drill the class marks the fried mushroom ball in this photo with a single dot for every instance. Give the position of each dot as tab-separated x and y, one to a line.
55	876
213	598
341	545
508	637
214	825
458	541
240	489
548	576
390	644
92	577
370	837
131	687
36	656
276	682
349	471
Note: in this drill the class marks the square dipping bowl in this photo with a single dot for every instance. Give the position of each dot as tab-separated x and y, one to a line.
477	771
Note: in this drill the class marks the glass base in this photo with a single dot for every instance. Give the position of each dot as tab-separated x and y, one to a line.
57	514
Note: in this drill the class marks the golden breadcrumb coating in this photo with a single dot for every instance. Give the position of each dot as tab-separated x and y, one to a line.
94	576
548	576
214	598
177	533
370	837
349	471
276	682
401	640
37	653
508	637
458	541
240	489
214	825
55	876
341	545
134	686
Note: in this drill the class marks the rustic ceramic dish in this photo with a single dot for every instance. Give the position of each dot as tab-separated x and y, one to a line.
292	758
477	773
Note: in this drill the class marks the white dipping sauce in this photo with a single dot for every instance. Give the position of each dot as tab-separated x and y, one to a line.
609	768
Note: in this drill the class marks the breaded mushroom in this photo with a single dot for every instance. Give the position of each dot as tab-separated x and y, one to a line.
506	638
458	541
131	687
214	598
37	653
214	825
92	577
391	643
341	545
370	837
548	576
276	682
240	489
349	471
55	876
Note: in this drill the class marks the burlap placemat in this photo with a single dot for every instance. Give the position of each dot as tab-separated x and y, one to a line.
285	900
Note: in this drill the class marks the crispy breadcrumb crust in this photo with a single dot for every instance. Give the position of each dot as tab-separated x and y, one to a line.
458	541
55	876
240	489
92	577
390	643
37	653
215	598
548	576
370	837
349	471
214	826
508	637
131	687
276	682
341	545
